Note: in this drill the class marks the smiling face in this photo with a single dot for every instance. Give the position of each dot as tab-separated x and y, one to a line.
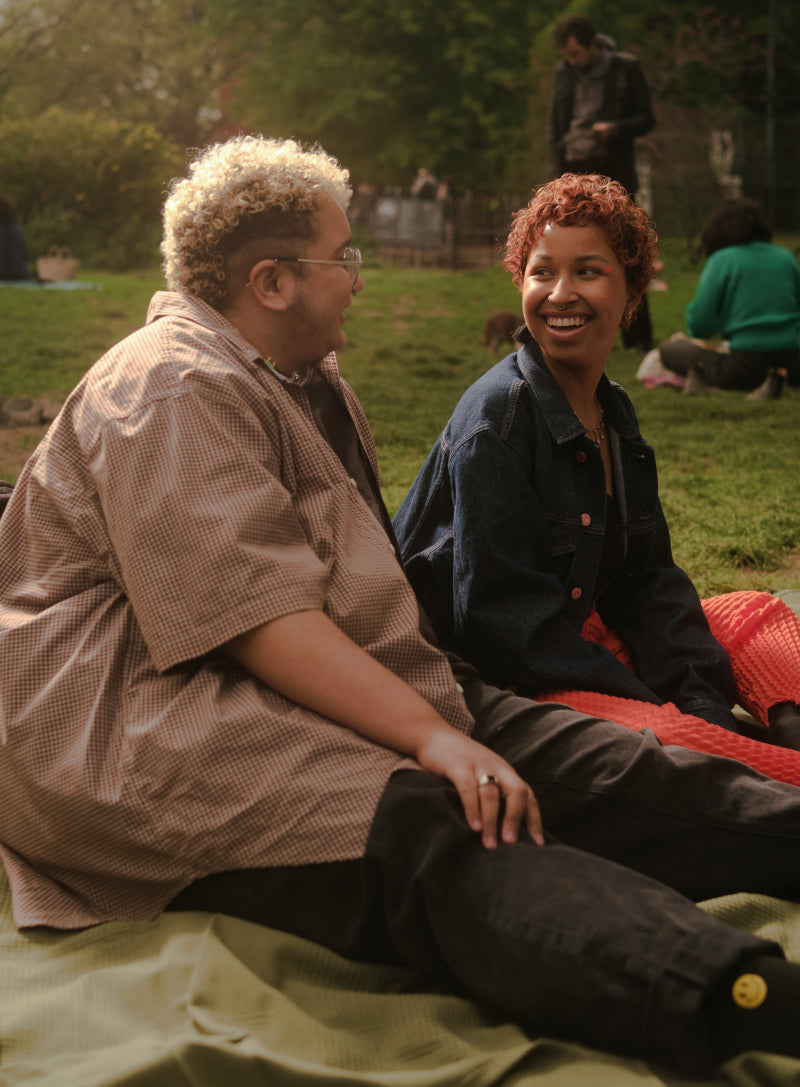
574	294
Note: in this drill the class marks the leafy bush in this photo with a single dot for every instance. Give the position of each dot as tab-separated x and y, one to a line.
94	185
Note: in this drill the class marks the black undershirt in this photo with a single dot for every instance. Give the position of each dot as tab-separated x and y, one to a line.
613	556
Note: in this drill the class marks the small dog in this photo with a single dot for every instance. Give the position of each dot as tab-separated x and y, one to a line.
499	327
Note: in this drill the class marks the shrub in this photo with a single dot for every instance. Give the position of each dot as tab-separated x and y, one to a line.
96	185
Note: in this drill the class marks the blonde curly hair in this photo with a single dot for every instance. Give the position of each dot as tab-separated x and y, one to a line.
247	190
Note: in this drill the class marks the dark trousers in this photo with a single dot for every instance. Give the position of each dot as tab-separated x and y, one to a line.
729	369
640	332
593	937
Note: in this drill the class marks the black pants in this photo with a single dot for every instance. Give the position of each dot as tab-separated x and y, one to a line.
742	370
640	333
593	937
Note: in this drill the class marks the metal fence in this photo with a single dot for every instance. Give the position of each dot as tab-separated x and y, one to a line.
462	231
690	161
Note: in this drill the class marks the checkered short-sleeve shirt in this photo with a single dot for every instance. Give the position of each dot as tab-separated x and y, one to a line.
182	497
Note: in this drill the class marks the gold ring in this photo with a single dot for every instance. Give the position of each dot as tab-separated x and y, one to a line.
488	779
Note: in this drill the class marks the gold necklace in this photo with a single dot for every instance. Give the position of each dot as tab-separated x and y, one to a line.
597	432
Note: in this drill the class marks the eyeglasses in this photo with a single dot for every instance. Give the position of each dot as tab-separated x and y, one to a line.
351	261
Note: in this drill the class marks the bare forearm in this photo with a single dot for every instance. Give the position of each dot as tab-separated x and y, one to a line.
309	660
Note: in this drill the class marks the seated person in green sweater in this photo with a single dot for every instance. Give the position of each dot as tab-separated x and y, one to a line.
749	294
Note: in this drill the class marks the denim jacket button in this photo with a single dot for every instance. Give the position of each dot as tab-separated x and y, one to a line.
576	593
580	457
586	519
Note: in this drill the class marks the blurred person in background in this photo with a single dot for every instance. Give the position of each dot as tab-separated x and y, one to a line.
748	294
601	103
13	251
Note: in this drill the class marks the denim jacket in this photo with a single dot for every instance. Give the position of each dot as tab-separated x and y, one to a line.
502	535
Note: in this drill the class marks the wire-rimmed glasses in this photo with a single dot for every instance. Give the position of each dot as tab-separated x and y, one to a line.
351	261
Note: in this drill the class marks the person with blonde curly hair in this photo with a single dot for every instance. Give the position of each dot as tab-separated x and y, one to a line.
235	198
218	693
534	536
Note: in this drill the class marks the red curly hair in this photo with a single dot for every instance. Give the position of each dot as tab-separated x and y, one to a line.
586	200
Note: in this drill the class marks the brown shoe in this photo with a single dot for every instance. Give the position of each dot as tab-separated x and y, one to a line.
770	388
783	727
695	384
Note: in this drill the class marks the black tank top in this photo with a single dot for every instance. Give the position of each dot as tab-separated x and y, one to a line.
613	557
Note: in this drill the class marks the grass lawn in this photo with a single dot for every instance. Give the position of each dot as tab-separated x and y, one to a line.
727	465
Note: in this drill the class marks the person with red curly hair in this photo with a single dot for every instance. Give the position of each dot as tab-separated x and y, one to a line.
534	535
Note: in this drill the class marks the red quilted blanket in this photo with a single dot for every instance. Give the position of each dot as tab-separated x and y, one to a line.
762	637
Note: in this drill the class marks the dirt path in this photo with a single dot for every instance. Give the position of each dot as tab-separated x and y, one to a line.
20	430
16	445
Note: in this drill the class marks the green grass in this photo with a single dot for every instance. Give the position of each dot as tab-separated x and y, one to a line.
728	466
50	337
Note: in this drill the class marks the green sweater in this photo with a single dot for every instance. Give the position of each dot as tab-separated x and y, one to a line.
750	295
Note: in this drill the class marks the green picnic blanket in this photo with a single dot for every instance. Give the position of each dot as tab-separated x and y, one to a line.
203	1000
209	1001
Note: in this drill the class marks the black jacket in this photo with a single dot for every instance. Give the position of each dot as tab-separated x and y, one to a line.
626	105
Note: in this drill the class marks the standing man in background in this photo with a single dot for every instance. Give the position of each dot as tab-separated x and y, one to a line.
601	103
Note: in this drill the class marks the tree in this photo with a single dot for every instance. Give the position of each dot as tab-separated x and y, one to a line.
93	184
389	87
152	61
709	55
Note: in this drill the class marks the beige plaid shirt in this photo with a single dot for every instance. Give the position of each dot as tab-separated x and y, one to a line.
182	497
